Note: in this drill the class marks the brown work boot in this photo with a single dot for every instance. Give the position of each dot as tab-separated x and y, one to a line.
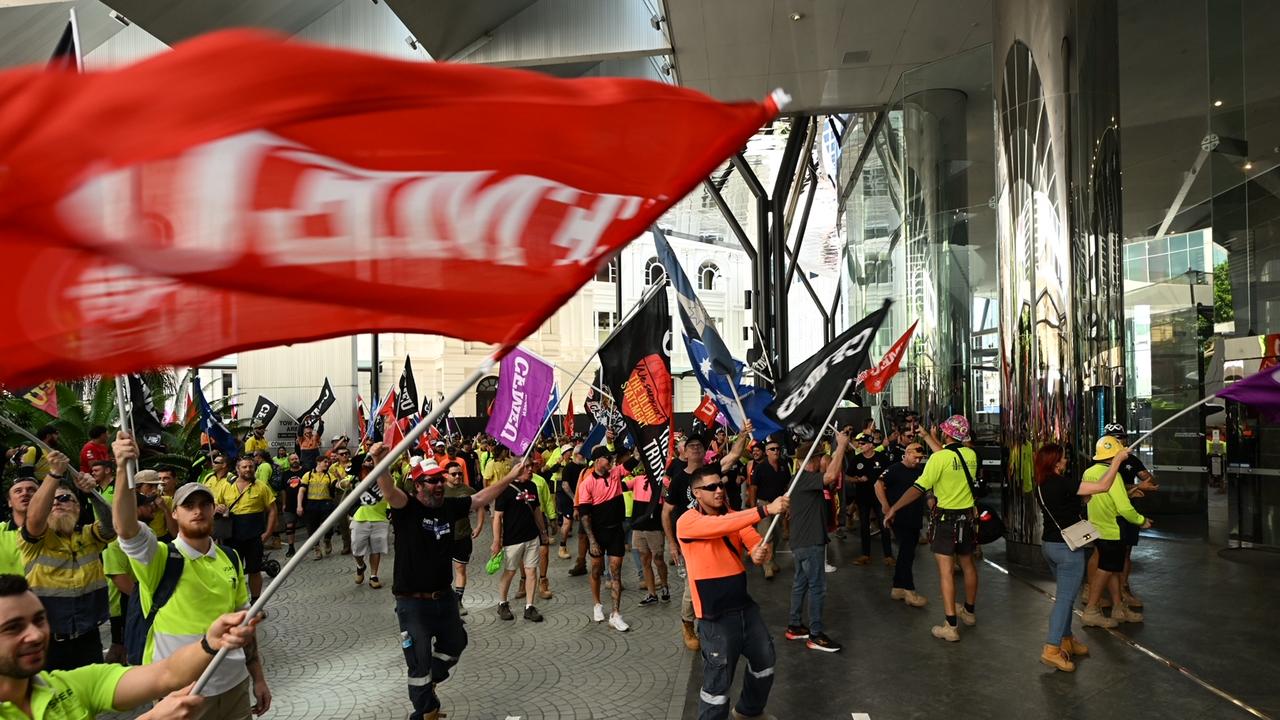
579	569
1056	657
691	637
1074	647
544	589
863	560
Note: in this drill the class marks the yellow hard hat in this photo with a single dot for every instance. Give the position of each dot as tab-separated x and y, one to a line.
1107	448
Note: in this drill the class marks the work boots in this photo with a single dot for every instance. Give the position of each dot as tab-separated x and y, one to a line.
691	637
1056	657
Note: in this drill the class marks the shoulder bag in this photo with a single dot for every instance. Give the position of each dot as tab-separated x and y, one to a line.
1076	535
988	524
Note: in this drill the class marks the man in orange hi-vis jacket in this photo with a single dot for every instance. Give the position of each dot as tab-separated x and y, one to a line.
729	624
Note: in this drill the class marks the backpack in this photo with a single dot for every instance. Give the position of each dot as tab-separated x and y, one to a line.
137	626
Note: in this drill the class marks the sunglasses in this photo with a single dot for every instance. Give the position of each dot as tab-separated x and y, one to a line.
712	487
454	474
773	449
65	499
432	479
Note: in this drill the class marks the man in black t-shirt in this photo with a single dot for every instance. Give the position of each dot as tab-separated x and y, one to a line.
518	531
862	471
291	478
769	480
431	629
573	465
889	488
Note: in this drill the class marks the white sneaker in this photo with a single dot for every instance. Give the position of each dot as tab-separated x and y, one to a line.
597	613
829	567
617	623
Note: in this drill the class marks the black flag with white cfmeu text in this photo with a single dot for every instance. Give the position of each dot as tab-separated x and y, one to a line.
636	368
318	408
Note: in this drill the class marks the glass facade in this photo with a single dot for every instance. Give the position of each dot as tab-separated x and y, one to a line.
1084	219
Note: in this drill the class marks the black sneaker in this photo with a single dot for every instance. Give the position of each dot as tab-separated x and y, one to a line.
504	611
797	632
530	613
664	594
820	641
649	600
290	553
577	570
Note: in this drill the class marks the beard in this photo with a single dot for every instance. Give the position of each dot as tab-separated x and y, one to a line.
62	523
20	668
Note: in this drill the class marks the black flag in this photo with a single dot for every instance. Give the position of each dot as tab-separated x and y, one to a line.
142	413
407	393
318	408
264	411
636	365
66	54
806	394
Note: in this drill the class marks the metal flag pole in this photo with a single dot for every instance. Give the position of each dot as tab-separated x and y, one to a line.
339	513
1172	417
649	293
817	438
45	447
124	404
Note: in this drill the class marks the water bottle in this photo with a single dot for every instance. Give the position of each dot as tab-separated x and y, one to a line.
680	567
406	640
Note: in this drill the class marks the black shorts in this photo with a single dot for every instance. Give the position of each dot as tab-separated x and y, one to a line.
564	506
1128	532
250	552
954	533
613	540
462	549
1110	555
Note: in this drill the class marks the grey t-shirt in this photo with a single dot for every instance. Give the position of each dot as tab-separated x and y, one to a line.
808	511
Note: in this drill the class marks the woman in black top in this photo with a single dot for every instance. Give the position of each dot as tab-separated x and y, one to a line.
1061	506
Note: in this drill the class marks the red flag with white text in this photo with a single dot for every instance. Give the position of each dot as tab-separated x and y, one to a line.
568	417
257	167
874	379
706	411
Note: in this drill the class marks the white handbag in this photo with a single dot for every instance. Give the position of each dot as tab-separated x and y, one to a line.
1077	535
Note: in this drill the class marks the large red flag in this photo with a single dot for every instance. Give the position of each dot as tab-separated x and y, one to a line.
877	377
249	164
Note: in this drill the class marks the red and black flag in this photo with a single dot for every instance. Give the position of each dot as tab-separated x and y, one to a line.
636	367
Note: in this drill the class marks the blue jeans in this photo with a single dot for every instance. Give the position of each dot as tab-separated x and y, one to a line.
811	578
436	639
1068	567
738	633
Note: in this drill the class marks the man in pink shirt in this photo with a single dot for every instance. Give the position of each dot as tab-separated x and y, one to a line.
603	510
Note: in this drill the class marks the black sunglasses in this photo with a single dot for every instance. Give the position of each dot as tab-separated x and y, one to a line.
68	499
712	487
454	474
432	479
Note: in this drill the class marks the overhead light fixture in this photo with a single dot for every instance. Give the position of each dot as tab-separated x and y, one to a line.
797	16
1217	103
656	21
412	42
1248	165
666	68
119	18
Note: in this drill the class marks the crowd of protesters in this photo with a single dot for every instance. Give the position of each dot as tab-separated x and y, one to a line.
167	563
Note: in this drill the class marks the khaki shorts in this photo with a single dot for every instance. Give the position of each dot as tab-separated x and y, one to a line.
370	538
648	541
523	554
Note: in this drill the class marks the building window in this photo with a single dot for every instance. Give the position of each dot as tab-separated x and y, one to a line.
875	182
604	323
608	273
654	273
708	276
486	392
227	389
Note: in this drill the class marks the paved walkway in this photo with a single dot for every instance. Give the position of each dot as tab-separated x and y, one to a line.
332	651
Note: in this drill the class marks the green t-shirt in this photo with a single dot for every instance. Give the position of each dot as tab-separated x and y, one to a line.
79	694
114	562
461	526
545	497
1105	507
944	476
10	557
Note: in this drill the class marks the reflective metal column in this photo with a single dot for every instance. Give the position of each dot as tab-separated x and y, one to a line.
1059	239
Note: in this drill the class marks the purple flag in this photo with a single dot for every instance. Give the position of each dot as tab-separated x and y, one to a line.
525	382
1260	390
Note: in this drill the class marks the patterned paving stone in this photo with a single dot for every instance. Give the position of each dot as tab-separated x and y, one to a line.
332	651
